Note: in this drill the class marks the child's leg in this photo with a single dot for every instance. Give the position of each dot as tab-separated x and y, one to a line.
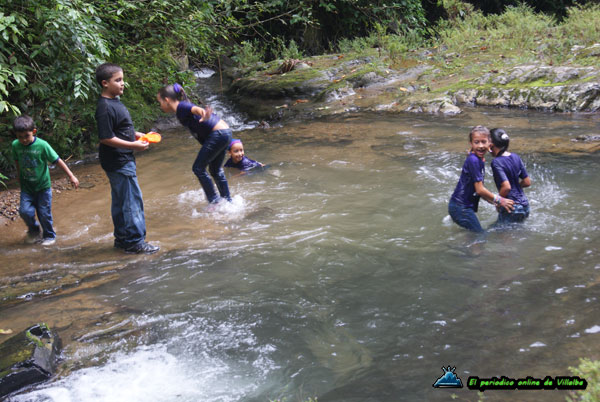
27	212
127	207
464	217
214	147
216	166
43	208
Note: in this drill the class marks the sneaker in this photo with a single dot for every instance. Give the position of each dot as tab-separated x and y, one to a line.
142	248
32	238
118	244
48	241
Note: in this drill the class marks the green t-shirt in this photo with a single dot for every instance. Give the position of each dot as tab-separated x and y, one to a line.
33	162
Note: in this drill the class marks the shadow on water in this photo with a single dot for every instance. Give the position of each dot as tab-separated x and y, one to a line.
335	273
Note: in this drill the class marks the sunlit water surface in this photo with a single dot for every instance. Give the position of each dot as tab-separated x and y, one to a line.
336	273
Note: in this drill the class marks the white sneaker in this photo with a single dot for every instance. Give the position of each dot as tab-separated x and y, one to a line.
48	242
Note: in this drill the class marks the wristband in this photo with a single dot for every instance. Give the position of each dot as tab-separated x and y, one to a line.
497	199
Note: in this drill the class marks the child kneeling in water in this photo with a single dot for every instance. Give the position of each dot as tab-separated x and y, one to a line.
237	158
465	199
510	177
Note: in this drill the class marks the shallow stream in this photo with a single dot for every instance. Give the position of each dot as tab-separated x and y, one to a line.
336	273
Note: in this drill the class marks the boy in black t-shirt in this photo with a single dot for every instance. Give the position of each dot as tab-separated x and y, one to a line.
118	140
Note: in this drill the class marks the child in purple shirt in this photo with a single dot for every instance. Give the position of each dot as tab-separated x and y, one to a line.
510	177
237	158
465	199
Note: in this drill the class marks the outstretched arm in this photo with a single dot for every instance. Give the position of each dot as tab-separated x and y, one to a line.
491	198
119	143
66	169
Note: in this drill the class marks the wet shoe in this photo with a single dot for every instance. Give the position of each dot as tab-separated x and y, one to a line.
32	238
142	248
48	241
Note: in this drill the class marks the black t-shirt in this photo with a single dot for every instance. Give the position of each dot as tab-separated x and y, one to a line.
113	120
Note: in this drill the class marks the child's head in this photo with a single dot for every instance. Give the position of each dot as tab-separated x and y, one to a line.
24	128
110	78
479	137
500	141
236	150
169	96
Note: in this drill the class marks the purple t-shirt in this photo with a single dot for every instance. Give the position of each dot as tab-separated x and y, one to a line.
245	164
511	168
200	129
473	170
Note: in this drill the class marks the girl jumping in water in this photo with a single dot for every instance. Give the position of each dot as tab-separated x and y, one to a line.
210	130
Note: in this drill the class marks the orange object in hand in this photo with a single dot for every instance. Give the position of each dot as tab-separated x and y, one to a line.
151	137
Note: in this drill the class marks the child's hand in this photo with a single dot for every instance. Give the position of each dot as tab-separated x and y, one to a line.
140	145
507	204
207	112
74	181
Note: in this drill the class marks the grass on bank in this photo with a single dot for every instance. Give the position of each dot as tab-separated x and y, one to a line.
473	42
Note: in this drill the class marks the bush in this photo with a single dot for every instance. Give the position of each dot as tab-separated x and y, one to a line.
590	370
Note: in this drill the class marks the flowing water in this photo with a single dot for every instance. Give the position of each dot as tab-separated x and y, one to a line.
336	273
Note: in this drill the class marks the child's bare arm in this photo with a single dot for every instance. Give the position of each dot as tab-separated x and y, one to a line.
119	143
66	169
489	197
526	182
204	113
504	188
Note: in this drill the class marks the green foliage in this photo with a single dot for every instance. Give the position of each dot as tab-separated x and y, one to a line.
248	53
2	178
590	370
521	32
291	51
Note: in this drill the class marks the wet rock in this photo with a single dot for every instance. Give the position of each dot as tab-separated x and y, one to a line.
443	105
588	138
28	358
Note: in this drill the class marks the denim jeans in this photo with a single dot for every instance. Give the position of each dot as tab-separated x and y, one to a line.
212	155
519	214
127	206
464	217
40	202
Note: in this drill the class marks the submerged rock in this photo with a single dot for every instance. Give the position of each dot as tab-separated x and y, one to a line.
28	358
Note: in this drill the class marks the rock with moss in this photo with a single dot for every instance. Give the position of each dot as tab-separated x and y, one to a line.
28	358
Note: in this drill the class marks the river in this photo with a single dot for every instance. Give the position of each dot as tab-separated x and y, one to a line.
336	273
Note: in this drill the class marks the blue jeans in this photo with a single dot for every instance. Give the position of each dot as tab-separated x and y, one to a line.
127	206
40	202
519	214
464	216
212	155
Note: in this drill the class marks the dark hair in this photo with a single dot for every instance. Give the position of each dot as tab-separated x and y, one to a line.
23	123
478	129
500	139
106	70
174	92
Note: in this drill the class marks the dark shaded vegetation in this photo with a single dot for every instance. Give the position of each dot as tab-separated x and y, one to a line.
49	48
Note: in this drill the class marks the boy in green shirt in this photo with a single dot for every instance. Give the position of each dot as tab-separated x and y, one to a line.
32	155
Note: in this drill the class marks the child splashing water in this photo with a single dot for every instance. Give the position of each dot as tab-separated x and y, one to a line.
510	177
210	131
465	199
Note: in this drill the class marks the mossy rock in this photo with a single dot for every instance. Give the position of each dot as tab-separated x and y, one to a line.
28	358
